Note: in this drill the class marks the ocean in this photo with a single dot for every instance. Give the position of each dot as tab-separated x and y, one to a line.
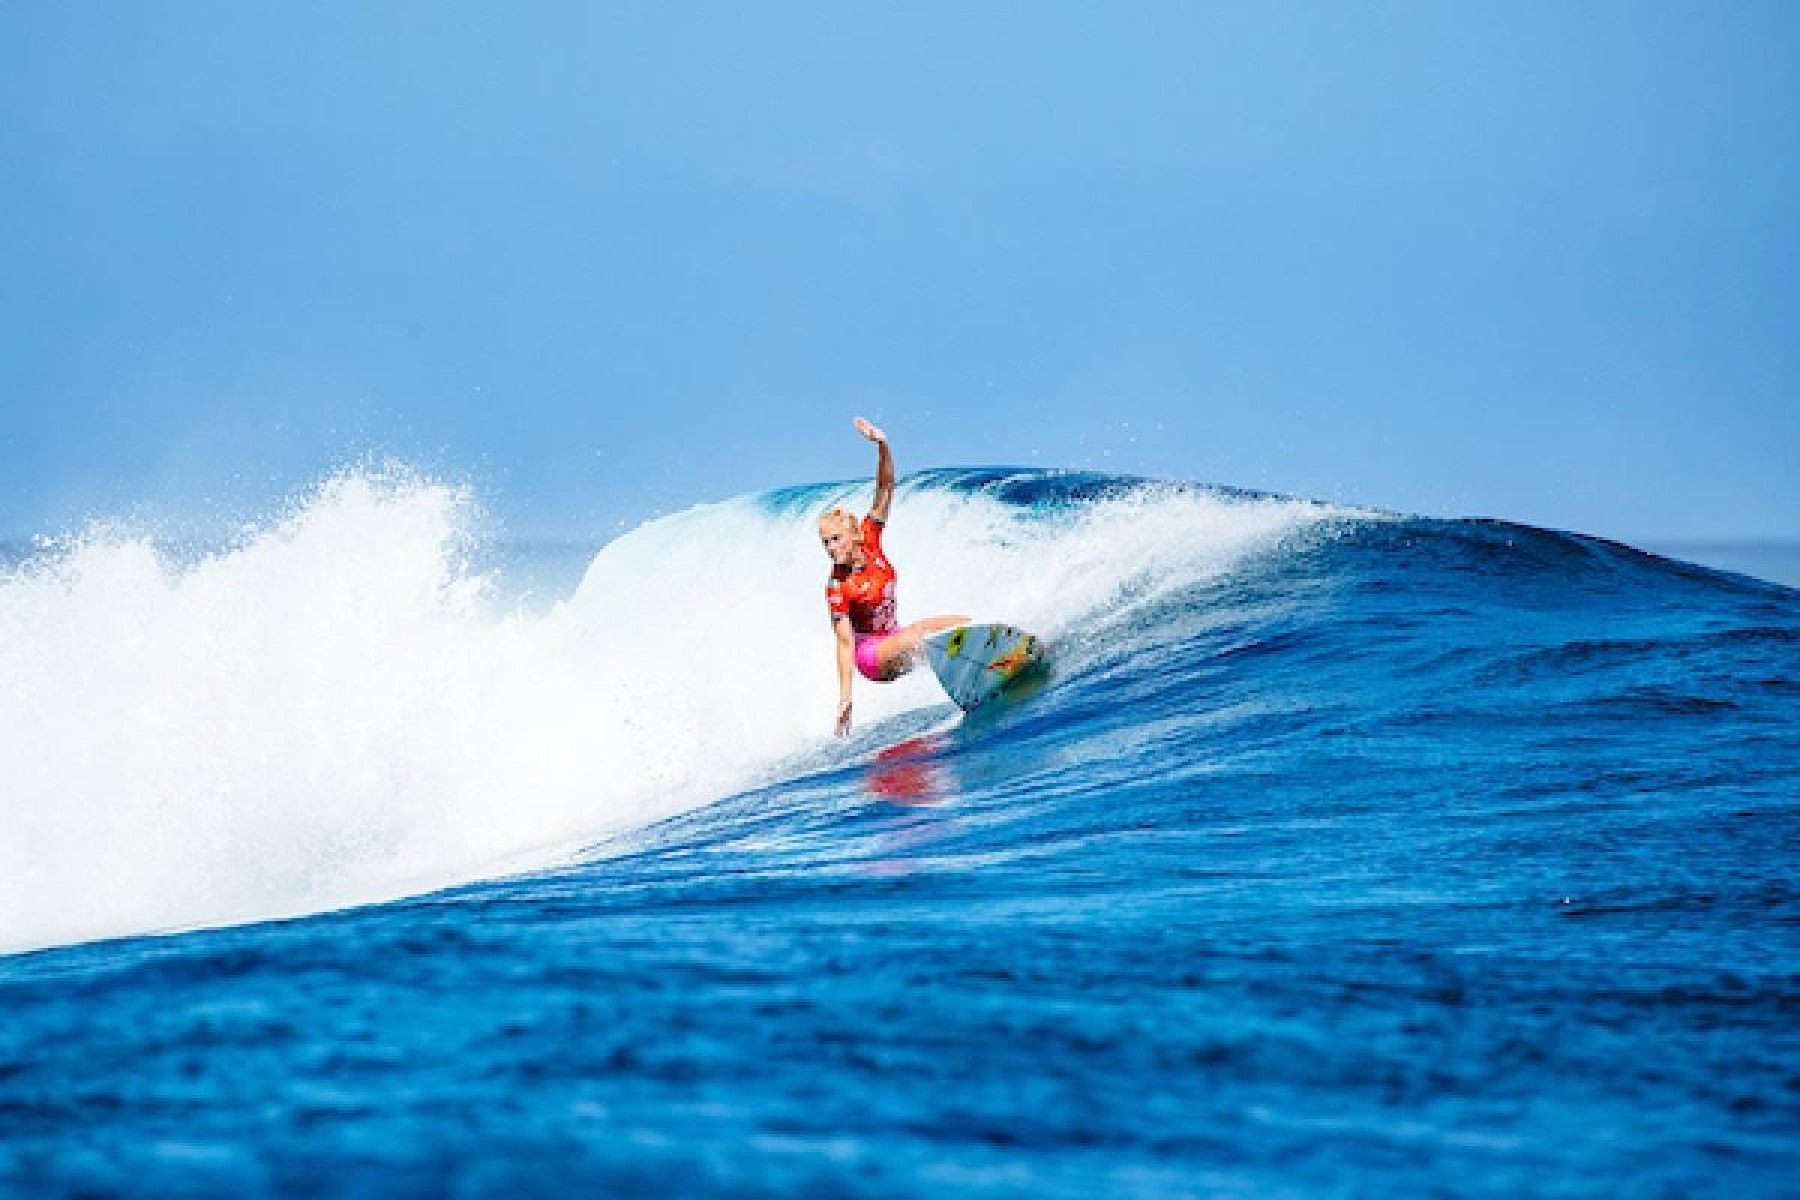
1340	853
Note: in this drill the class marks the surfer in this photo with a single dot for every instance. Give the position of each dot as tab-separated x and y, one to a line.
860	592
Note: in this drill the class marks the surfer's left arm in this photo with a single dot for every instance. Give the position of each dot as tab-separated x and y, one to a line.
884	470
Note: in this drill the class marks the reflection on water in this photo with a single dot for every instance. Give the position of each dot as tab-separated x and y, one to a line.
912	773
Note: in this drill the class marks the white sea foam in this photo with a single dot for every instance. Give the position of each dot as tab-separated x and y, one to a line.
338	711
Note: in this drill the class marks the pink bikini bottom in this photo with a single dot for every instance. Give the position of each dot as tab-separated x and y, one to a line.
868	654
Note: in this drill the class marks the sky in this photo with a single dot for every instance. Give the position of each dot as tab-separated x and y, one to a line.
1531	260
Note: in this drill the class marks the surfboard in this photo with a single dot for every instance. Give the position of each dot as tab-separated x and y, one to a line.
975	663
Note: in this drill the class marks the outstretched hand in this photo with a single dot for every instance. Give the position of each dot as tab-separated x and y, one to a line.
843	719
869	431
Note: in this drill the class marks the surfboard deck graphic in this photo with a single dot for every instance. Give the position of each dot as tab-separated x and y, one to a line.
976	662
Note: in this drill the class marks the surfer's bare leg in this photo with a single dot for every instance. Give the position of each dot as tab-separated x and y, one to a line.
897	650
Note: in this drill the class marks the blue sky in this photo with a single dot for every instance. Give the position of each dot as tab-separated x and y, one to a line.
1532	260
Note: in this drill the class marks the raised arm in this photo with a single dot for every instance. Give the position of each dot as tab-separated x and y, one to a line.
884	470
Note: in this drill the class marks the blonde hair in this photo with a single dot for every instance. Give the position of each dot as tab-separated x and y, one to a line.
845	517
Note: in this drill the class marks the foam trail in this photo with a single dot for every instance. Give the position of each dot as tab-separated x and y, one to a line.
338	711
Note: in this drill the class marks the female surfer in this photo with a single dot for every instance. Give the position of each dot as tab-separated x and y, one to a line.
860	592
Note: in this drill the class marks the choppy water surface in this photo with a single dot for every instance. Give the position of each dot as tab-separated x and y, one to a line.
1342	854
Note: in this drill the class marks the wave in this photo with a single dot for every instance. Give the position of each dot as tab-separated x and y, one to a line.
343	706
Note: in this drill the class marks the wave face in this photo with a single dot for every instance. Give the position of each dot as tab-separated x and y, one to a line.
1341	853
343	707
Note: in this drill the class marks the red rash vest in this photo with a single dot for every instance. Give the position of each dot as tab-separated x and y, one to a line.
865	594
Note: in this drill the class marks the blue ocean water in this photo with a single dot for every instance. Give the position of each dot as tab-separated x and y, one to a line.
1341	853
